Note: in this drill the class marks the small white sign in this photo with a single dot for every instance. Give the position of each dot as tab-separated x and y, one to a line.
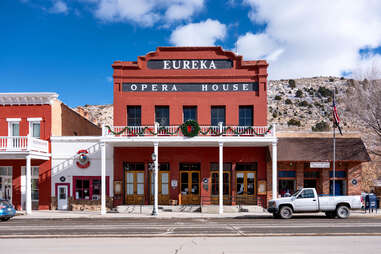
377	183
320	164
174	183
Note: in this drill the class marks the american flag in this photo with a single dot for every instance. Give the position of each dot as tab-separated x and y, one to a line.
336	118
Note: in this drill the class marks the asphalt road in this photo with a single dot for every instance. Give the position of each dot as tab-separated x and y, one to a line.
189	227
193	245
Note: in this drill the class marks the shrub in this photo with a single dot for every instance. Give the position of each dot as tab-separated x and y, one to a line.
288	101
342	78
299	93
320	126
293	122
275	115
303	104
325	92
331	79
277	98
292	83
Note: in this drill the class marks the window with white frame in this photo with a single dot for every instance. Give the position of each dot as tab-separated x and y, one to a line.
13	127
35	127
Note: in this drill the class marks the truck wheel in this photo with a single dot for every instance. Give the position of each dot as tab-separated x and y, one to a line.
331	214
342	212
285	212
5	219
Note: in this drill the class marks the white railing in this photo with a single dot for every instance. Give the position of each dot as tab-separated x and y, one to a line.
17	144
219	130
38	145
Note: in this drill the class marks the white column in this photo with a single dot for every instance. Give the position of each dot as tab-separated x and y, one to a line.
28	174
275	170
103	178
221	177
156	180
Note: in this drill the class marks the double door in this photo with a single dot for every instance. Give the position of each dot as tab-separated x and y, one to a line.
190	187
246	187
163	188
226	189
134	187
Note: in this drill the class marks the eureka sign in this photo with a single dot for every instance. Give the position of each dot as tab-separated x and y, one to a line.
191	64
190	87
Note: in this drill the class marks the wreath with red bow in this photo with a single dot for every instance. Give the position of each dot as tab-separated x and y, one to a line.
190	128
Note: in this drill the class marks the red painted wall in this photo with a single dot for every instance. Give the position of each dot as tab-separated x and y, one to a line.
242	71
176	155
24	112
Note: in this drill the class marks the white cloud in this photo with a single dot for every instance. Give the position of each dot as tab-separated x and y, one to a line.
311	38
199	34
183	9
145	12
59	7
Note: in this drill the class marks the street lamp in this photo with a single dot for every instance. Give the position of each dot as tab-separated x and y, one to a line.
154	157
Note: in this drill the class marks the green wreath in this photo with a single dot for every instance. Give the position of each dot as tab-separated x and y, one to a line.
190	128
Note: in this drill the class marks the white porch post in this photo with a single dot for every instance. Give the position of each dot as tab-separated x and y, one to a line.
28	174
220	177
103	178
156	179
275	170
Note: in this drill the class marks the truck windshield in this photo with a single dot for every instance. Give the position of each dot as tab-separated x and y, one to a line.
296	193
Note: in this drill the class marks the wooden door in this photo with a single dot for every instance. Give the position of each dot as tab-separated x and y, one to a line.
226	187
246	187
134	187
163	188
190	187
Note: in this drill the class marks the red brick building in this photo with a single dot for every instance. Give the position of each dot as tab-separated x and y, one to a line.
225	95
27	122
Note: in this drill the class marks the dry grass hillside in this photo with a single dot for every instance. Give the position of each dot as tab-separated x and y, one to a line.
296	105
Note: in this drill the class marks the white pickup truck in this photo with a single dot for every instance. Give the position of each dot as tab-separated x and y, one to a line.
307	201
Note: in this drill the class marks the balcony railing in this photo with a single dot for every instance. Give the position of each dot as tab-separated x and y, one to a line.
219	130
21	144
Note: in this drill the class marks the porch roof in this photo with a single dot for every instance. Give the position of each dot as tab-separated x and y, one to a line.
321	149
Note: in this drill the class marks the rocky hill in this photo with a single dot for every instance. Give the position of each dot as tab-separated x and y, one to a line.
295	105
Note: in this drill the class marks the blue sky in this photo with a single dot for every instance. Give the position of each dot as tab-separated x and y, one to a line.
68	46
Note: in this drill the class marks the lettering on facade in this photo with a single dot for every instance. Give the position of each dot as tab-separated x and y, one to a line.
190	87
191	64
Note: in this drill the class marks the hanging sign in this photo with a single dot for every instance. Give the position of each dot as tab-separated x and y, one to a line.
190	64
83	160
322	164
190	87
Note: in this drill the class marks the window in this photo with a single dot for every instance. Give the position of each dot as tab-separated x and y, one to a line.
6	183
88	187
162	115
307	194
35	176
246	115
34	180
134	116
246	166
217	115
190	166
35	126
36	130
189	113
132	166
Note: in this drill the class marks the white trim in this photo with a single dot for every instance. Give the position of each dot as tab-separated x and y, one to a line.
27	98
13	119
34	119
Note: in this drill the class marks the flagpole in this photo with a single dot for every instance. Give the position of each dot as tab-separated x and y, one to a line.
334	151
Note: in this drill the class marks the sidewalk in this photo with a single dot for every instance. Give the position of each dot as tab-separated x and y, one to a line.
54	214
